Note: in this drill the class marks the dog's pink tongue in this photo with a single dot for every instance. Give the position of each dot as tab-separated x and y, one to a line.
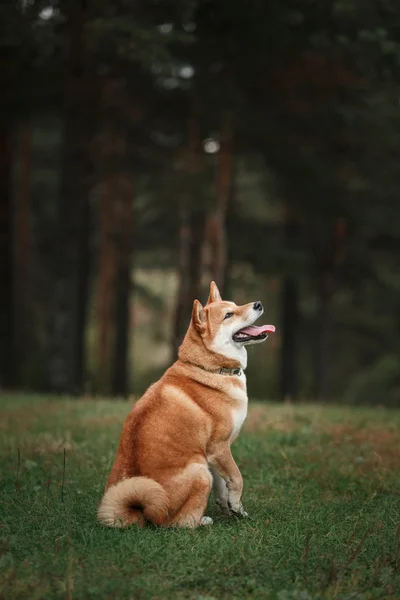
253	330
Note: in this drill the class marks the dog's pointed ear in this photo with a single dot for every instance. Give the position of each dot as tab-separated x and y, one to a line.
214	295
198	316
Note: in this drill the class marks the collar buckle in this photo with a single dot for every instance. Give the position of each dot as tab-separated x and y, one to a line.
224	371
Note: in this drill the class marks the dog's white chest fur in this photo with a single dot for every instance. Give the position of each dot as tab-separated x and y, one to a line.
239	412
238	416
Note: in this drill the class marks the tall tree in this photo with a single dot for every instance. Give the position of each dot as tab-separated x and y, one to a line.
67	348
106	281
10	24
6	261
191	233
328	251
123	285
290	316
216	226
22	240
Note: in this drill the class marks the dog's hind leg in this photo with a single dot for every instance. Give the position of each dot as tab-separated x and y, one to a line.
194	487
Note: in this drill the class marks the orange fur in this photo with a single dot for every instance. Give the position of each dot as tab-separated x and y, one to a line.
181	428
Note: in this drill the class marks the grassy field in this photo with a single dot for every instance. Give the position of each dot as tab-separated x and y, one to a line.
322	487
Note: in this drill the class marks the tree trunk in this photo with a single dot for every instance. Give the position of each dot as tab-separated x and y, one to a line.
183	280
324	339
223	188
106	281
116	244
123	288
8	79
191	242
7	366
289	357
327	283
196	242
215	238
83	277
196	223
22	242
66	363
228	280
289	322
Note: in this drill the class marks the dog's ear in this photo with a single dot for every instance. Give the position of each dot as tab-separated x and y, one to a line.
198	316
214	296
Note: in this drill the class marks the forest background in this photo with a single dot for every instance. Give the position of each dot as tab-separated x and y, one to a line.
148	147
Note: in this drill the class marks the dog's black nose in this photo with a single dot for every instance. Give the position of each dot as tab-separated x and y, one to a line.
258	306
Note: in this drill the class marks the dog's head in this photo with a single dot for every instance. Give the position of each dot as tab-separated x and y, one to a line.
226	328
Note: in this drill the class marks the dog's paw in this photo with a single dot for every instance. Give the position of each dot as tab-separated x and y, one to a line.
223	507
238	511
225	510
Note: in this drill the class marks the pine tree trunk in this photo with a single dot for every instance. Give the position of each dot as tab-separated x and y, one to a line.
324	340
215	243
191	242
196	224
106	282
223	189
116	245
289	322
83	277
229	290
196	242
8	78
7	366
333	253
289	354
67	347
123	287
22	243
183	280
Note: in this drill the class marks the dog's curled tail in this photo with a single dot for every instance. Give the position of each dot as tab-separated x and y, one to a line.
133	500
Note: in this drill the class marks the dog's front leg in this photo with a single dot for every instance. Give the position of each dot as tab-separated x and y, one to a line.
228	474
220	491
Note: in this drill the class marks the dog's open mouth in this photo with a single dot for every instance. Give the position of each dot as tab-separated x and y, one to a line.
253	334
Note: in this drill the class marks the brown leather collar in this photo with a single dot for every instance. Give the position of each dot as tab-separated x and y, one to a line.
224	371
221	371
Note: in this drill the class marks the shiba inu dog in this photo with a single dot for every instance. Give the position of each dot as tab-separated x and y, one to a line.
175	443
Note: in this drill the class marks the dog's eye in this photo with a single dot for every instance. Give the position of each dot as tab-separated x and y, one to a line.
228	316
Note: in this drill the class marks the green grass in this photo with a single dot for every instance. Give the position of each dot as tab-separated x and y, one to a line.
322	487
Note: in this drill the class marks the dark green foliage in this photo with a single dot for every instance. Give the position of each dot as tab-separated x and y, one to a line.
313	92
